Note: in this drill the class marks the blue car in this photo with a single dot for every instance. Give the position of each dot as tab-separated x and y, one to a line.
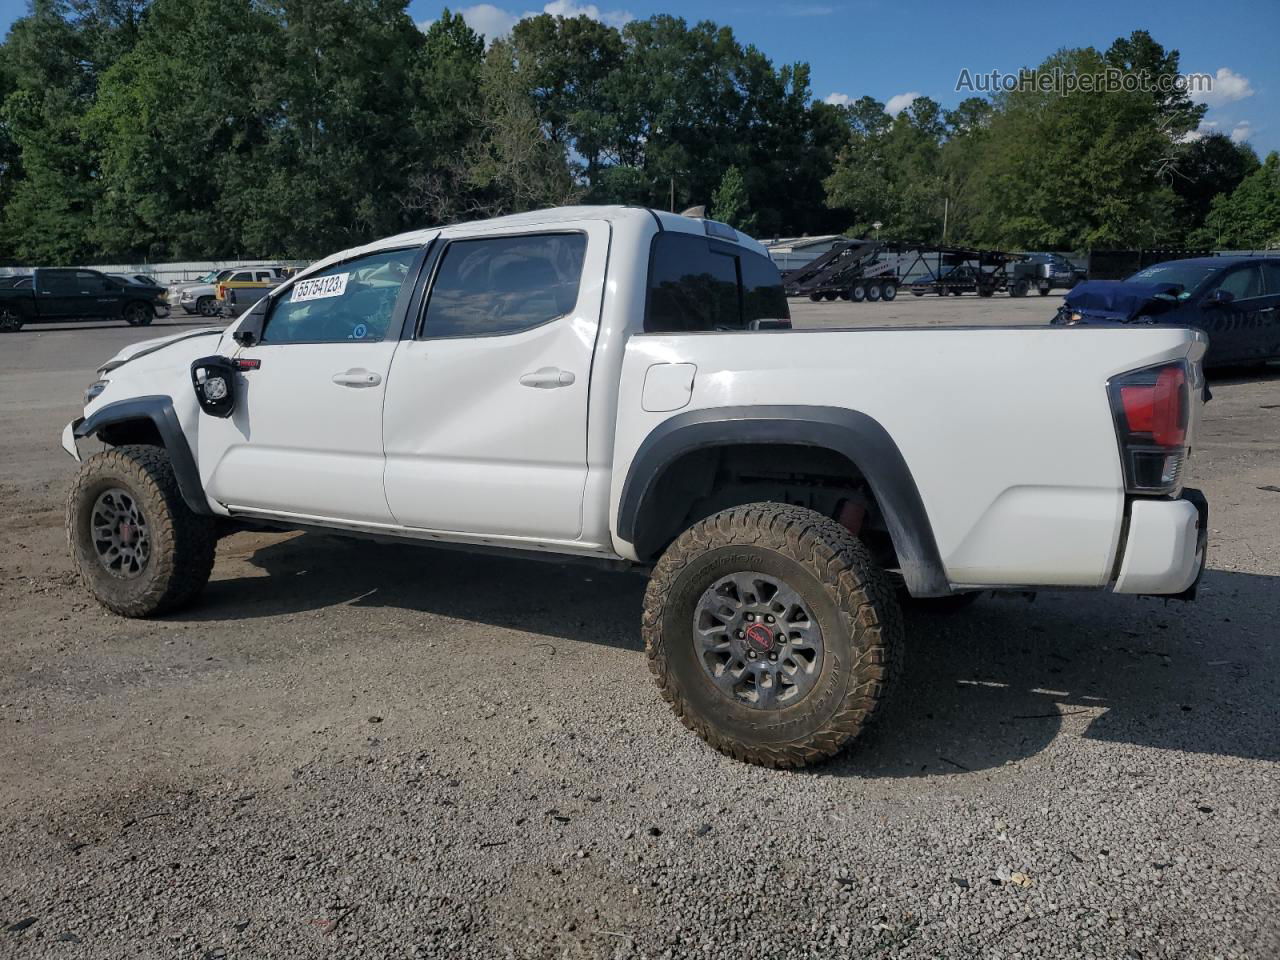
1235	300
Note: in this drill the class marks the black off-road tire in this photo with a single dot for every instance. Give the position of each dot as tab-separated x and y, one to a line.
182	543
138	314
10	319
850	596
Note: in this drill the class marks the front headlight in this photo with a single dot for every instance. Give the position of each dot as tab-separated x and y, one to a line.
93	390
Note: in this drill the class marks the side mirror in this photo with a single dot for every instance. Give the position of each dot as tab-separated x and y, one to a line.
1219	298
214	379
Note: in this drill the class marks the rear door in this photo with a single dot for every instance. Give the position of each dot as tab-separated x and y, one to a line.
486	426
305	440
57	294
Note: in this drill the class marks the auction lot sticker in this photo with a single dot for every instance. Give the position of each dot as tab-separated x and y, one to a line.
319	288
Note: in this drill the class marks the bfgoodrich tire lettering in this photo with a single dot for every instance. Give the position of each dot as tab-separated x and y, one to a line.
849	596
181	543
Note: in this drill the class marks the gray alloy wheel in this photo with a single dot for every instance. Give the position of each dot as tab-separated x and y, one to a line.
119	532
759	644
206	306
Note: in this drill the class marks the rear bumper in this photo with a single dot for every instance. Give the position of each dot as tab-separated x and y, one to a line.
1166	547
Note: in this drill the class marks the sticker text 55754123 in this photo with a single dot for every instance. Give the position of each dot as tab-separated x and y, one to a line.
319	288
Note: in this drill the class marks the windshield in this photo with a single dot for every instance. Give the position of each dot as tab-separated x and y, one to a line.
1189	276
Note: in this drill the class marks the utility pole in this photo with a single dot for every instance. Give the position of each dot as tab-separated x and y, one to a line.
673	194
946	209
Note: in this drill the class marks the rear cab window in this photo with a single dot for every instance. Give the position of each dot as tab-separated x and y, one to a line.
699	284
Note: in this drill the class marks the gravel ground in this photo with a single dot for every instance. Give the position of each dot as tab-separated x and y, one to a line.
357	750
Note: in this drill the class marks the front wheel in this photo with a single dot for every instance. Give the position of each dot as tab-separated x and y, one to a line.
772	633
139	549
138	314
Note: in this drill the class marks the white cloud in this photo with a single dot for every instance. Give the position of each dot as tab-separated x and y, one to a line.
567	8
838	99
1241	131
1206	127
1227	87
494	22
491	21
900	102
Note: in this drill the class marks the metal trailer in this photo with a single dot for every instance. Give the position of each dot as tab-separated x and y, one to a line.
873	270
850	270
959	270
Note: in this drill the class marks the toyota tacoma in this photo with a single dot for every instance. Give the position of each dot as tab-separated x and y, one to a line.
623	386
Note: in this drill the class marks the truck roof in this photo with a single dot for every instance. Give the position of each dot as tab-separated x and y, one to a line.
550	217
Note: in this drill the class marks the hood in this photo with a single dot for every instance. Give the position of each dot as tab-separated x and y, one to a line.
1120	299
144	347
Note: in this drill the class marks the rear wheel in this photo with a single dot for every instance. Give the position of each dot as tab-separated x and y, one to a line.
858	293
829	295
10	319
873	292
1019	288
139	549
772	633
889	292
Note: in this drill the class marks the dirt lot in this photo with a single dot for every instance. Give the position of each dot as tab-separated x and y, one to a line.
365	751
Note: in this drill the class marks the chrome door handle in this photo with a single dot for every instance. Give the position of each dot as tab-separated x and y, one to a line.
358	377
547	378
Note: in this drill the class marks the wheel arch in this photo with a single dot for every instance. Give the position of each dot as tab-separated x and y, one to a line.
150	420
850	434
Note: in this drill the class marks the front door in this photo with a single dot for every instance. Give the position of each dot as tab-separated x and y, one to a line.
1247	328
305	440
486	426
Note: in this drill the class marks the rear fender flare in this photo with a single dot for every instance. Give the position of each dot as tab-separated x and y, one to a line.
858	437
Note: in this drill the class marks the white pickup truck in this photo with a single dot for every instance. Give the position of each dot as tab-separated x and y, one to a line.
621	385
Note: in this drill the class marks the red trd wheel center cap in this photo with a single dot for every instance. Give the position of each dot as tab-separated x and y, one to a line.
127	532
760	637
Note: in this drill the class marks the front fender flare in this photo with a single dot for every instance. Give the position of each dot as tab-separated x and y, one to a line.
858	437
159	410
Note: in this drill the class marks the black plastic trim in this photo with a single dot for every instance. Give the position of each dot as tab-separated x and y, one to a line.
159	410
859	438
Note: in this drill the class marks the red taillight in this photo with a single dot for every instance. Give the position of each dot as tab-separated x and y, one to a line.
1158	409
1152	409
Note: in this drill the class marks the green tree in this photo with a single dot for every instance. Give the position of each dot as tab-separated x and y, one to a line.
730	202
1201	170
174	129
1248	218
53	59
890	172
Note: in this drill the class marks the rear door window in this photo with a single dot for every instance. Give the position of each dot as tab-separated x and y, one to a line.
502	285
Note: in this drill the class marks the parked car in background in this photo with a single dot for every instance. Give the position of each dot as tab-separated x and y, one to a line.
1235	300
199	297
138	279
59	294
244	288
1043	272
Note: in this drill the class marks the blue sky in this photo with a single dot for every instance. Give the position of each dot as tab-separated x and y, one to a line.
893	49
